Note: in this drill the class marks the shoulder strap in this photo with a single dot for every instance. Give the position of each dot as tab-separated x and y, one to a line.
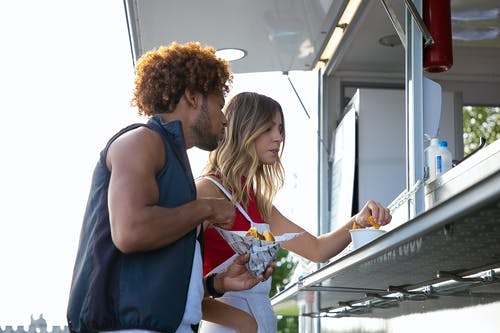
230	197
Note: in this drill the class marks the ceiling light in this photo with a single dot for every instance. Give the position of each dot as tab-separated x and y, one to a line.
230	54
390	40
339	30
332	44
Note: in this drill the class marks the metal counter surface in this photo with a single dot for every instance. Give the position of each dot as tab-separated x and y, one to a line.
447	257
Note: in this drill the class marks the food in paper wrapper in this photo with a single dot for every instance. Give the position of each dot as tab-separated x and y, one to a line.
252	232
268	236
262	252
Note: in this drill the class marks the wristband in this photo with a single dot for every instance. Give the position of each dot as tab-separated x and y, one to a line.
209	282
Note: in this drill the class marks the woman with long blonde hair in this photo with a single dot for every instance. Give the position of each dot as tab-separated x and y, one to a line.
247	165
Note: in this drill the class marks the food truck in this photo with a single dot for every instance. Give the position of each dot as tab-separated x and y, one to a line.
391	75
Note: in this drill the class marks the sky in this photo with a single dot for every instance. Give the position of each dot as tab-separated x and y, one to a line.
66	84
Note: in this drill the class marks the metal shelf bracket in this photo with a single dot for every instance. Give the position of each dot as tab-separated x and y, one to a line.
428	40
343	289
486	276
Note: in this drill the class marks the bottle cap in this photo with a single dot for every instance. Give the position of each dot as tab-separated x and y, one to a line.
443	144
434	141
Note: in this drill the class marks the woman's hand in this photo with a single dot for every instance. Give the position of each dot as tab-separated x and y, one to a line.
380	214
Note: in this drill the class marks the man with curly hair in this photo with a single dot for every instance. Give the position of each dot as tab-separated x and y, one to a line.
138	265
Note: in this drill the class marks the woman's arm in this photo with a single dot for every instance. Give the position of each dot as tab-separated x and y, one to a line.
328	245
317	249
227	315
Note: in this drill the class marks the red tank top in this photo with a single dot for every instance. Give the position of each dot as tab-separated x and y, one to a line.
215	248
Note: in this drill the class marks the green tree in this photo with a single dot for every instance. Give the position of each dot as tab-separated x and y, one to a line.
480	122
284	269
281	277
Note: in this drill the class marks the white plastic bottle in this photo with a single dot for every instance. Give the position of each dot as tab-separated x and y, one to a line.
430	156
443	159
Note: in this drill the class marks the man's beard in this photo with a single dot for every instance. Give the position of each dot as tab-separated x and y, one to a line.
205	139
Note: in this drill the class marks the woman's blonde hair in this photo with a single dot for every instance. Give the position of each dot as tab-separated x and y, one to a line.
235	160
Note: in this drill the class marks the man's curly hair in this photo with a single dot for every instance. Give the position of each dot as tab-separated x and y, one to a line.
163	74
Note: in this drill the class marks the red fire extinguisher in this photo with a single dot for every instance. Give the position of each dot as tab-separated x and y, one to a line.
437	17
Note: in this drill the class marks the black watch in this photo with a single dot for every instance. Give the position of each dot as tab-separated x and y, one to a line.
209	282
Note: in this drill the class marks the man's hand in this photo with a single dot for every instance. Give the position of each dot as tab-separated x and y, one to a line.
223	214
237	277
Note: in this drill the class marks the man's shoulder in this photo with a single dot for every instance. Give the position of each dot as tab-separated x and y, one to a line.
138	144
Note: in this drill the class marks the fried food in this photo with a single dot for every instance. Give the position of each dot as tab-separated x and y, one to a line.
266	235
252	232
373	223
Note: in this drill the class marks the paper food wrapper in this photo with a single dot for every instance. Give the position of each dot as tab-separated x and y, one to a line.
261	252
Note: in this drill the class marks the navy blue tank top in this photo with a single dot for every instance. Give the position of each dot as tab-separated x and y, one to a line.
111	290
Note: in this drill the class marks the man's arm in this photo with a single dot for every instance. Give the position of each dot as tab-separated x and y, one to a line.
137	222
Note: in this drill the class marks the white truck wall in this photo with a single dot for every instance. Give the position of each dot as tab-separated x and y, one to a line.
381	145
381	140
